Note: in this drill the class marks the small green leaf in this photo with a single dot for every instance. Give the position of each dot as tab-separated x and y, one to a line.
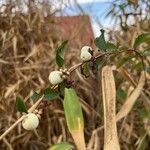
85	70
20	105
50	94
73	111
35	96
100	41
111	46
145	37
60	54
61	146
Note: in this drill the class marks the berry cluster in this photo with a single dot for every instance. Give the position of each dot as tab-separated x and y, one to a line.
31	120
56	77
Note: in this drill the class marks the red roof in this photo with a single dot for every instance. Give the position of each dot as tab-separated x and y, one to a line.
77	29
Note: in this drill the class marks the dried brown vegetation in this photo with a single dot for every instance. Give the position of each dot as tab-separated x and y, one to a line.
27	55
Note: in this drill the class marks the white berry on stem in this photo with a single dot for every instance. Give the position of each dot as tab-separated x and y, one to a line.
86	53
55	77
30	122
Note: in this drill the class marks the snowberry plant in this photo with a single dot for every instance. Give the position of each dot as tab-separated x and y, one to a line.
62	87
30	122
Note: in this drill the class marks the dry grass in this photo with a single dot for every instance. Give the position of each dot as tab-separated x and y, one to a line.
27	46
27	55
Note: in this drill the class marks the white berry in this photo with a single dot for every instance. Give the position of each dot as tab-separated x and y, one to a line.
30	122
55	77
85	53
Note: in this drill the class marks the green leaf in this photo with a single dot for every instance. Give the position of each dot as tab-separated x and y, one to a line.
85	70
60	54
100	41
73	111
111	46
61	146
35	96
50	94
20	105
145	37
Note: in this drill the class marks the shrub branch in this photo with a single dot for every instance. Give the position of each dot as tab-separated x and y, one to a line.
72	69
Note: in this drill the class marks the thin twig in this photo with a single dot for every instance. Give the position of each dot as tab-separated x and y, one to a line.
31	109
101	55
12	127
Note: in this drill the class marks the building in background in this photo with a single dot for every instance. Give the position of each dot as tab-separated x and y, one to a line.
77	29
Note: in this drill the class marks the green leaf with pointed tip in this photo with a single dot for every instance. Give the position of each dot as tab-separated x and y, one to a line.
61	146
100	41
35	96
73	111
85	70
50	94
145	37
20	105
60	54
111	46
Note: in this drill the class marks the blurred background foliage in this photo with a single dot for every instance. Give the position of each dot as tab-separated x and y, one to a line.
29	36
